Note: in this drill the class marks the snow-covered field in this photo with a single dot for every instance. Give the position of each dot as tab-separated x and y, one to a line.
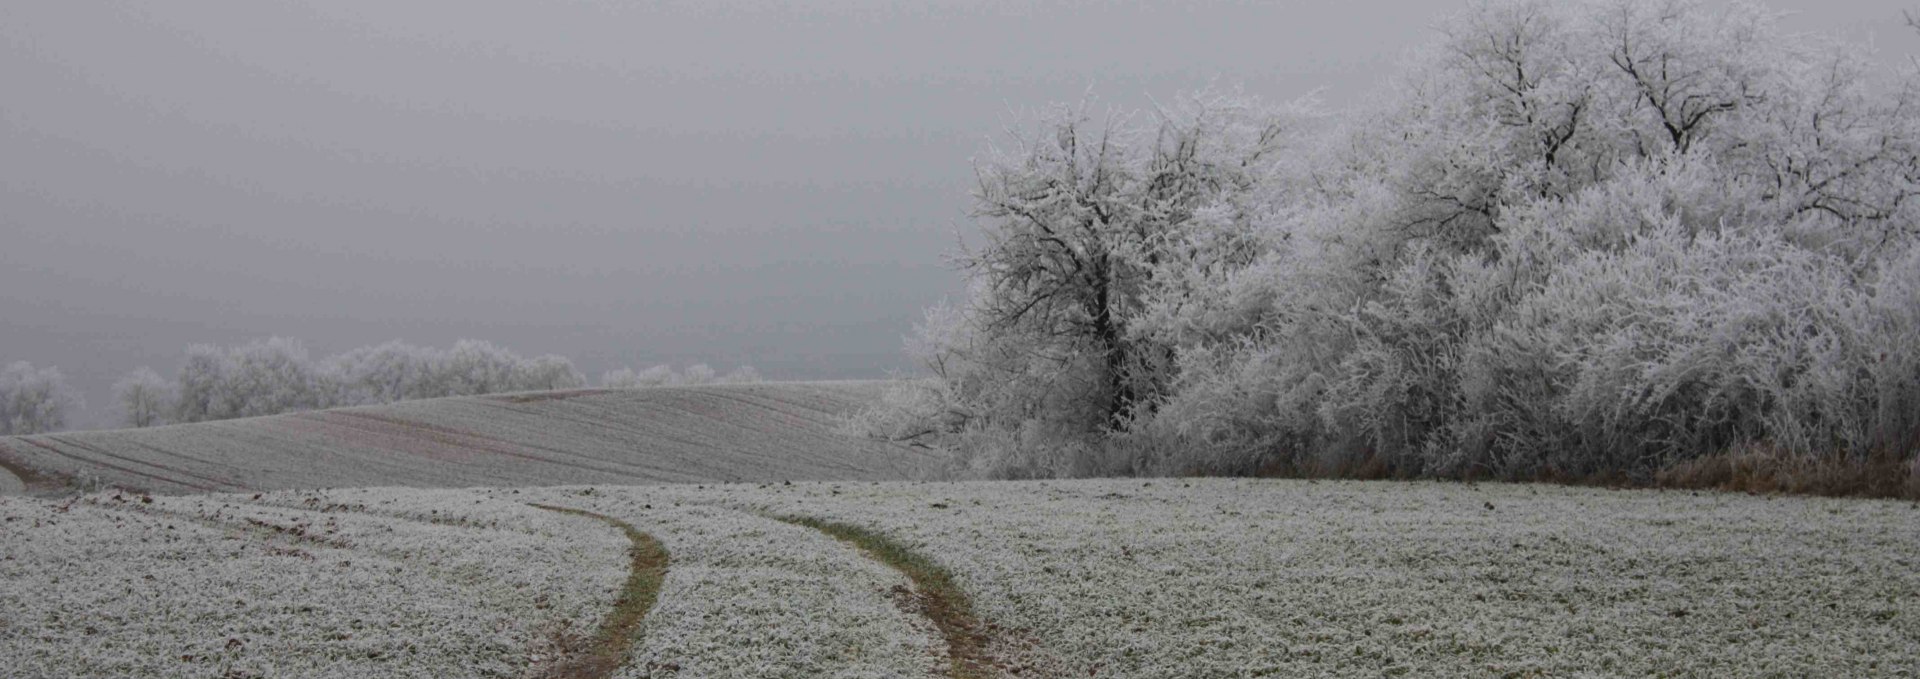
121	585
1165	578
713	433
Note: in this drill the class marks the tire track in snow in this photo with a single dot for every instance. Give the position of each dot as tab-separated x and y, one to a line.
935	594
620	629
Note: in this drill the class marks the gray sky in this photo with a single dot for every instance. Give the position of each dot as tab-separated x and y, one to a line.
620	182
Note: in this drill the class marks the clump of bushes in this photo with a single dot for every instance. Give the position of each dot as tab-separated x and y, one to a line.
1607	240
275	375
35	400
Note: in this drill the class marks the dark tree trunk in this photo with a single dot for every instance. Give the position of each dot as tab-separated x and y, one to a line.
1106	331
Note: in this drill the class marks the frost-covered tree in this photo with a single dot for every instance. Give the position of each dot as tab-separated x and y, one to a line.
655	376
547	372
144	398
200	392
742	375
384	373
698	373
1079	216
1591	238
620	378
35	400
270	376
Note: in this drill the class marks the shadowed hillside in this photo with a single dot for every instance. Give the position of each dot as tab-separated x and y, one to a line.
748	432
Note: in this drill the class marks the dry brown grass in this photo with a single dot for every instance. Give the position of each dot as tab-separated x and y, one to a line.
1755	469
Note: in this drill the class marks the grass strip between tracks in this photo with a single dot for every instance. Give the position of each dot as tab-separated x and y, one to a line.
620	630
937	596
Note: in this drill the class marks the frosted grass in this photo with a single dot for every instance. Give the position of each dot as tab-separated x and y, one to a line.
749	596
123	585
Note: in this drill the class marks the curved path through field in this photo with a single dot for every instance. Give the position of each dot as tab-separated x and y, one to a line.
748	595
936	596
611	644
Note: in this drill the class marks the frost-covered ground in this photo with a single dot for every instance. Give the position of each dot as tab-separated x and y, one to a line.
1220	578
1167	578
747	596
714	433
119	585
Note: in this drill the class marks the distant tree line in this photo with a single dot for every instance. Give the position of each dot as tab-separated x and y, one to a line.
1604	239
276	375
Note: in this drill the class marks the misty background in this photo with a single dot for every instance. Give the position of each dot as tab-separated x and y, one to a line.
621	183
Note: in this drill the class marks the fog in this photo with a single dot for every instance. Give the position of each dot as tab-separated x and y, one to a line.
622	183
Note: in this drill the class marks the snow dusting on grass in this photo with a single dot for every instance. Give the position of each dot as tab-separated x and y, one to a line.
1116	578
750	596
699	434
218	586
1218	578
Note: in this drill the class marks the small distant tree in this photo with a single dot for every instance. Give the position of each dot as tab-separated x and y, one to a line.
623	378
200	391
659	375
145	398
35	401
546	373
698	373
742	375
271	376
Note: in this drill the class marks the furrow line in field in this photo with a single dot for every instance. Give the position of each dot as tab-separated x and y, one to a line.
487	444
109	465
68	441
833	461
621	628
373	456
762	403
598	423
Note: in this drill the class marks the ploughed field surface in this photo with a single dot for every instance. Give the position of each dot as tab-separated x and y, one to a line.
710	433
1101	578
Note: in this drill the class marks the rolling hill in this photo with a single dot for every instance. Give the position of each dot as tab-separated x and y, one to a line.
695	434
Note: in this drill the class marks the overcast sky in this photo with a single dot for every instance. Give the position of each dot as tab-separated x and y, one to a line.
621	182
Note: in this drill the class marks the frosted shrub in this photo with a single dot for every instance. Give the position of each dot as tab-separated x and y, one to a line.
697	373
144	398
656	376
1578	239
35	400
1054	345
547	372
272	376
623	378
